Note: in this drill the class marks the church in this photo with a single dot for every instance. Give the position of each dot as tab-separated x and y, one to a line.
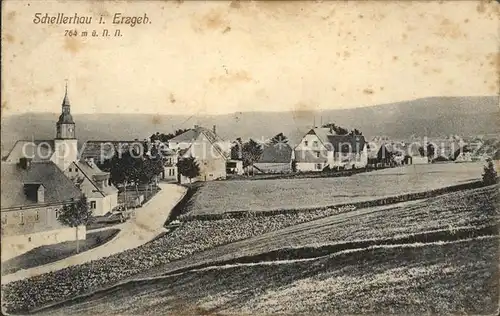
63	152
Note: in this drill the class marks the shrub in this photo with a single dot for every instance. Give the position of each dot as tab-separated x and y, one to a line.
490	175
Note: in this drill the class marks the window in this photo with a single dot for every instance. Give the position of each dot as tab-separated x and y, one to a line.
318	166
21	219
92	204
317	154
29	239
315	143
70	169
4	219
57	214
306	143
37	216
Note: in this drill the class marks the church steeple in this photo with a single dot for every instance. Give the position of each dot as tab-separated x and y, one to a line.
65	127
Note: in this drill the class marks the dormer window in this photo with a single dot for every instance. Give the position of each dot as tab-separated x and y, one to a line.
40	194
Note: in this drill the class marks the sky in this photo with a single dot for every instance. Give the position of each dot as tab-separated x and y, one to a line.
221	57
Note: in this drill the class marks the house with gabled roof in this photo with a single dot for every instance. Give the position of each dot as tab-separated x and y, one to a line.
322	147
209	149
63	151
32	195
275	158
101	194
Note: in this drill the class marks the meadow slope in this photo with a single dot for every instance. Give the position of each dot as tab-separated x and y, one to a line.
265	195
395	278
438	278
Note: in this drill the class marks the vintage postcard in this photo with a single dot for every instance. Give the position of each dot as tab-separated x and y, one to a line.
250	157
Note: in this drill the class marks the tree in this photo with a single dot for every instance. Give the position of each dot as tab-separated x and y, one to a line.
251	152
356	132
421	151
188	167
236	148
162	137
490	174
76	214
337	129
278	138
431	150
294	165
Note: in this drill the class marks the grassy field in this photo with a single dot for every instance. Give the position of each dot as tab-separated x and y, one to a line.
262	195
452	212
197	243
450	278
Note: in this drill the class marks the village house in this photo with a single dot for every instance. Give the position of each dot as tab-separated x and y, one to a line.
321	148
102	196
210	151
170	158
275	158
63	152
32	195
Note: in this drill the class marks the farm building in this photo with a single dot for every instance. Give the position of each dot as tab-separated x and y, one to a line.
384	154
321	148
210	151
275	158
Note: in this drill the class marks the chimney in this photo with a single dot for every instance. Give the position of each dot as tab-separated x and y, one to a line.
214	129
25	163
40	194
90	161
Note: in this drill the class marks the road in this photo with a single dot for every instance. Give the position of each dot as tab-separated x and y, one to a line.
146	224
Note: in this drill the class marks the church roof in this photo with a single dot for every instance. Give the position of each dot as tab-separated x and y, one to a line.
58	188
65	117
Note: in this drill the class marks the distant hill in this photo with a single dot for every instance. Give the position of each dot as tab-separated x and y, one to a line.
433	117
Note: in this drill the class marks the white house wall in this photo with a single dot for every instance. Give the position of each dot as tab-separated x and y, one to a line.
16	245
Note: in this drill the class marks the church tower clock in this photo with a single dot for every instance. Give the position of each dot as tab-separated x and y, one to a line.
65	143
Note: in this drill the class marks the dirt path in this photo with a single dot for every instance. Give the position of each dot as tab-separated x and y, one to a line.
142	228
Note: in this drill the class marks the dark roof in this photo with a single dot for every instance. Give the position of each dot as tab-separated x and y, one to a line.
106	148
346	143
464	149
276	153
65	118
58	188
